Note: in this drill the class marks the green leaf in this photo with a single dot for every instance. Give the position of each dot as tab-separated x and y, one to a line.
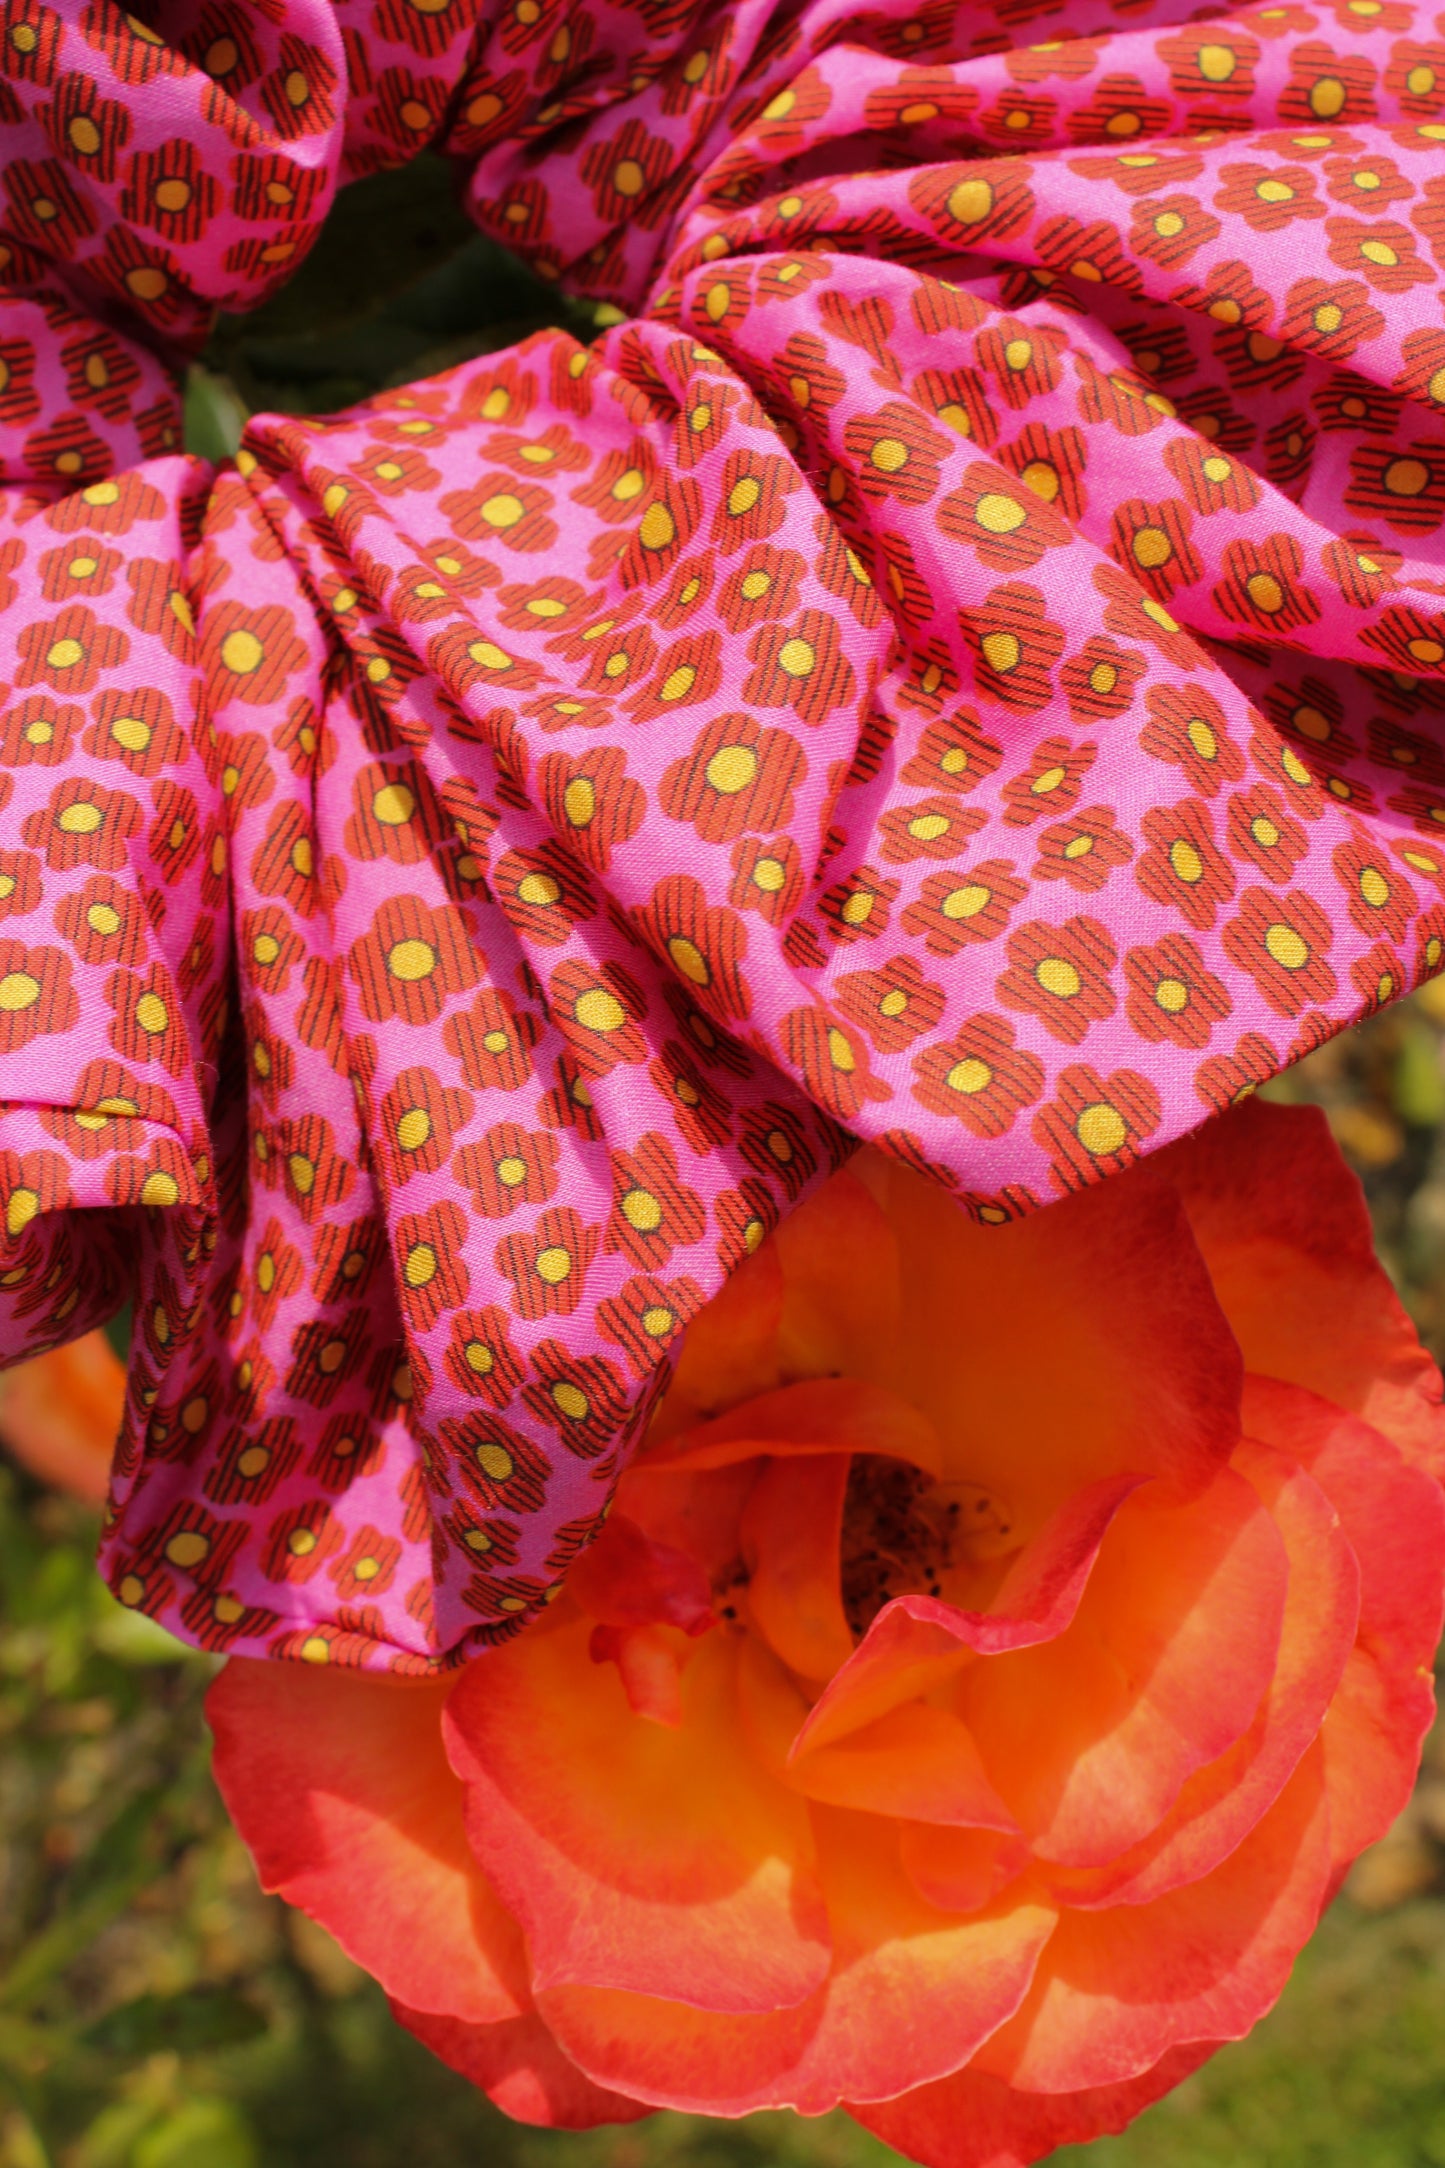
205	2133
399	286
109	2140
118	1332
130	1853
202	2018
213	415
133	1638
1419	1083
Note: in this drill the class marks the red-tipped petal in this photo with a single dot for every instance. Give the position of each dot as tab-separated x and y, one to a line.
658	1860
1118	1989
707	2062
1393	1517
338	1783
975	2121
913	1994
520	2066
628	1578
699	1512
1221	1803
1090	1737
1282	1224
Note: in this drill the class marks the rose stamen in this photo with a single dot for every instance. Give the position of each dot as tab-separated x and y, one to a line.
903	1532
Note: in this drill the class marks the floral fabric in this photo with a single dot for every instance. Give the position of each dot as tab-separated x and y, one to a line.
959	666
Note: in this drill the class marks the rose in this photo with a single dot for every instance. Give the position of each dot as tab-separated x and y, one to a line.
1000	1648
60	1415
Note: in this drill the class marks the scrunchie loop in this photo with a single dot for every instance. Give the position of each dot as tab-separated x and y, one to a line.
958	668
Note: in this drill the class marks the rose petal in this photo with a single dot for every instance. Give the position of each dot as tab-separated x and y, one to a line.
691	1510
917	1763
974	2121
1076	1344
818	1415
913	1994
840	1258
1282	1224
520	2066
916	1643
730	1349
1220	1804
661	1861
821	1297
790	1535
650	1665
1090	1737
960	1870
60	1415
626	1578
1393	1517
1118	1989
338	1783
672	2055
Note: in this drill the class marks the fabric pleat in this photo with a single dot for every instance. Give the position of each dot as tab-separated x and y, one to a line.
960	664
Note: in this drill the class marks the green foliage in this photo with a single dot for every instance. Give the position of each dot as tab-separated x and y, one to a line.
399	286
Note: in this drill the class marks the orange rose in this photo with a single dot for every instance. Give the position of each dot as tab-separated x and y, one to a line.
1001	1646
60	1415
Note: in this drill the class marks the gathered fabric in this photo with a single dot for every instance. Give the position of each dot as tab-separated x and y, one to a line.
959	665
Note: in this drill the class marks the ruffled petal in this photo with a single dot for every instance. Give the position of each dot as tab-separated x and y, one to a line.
913	1993
1282	1224
657	1860
973	2120
1117	1990
339	1785
1393	1517
1221	1803
1091	1736
519	2065
919	1643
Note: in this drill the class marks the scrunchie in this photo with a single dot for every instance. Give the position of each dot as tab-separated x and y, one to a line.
961	667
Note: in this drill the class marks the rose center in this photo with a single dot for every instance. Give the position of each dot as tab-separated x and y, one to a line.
906	1535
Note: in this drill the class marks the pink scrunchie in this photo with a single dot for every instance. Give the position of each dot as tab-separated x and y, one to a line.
961	668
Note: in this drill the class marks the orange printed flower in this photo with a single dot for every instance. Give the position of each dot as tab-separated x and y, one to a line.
1001	1644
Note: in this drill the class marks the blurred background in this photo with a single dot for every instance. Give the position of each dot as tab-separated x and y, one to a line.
156	2011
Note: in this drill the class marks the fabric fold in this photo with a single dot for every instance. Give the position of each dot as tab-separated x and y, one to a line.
960	669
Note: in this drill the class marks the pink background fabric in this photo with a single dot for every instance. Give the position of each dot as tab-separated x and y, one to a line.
960	666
